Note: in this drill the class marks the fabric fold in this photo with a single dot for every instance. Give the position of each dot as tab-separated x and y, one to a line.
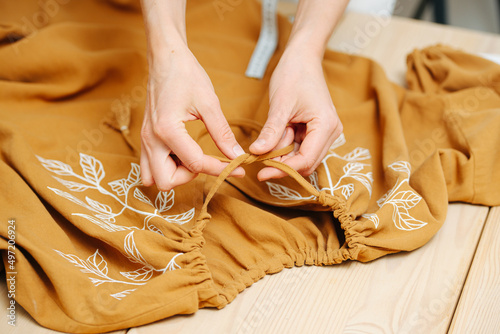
98	251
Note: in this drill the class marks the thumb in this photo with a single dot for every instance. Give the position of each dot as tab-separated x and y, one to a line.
270	134
220	131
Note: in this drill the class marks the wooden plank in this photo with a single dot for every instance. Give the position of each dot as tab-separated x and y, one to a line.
478	310
402	293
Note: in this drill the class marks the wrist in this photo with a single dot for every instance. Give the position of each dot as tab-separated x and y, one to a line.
303	46
165	23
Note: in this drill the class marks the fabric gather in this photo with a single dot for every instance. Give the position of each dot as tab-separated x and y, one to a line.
92	242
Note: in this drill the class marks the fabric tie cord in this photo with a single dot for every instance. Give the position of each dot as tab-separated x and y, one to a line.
323	197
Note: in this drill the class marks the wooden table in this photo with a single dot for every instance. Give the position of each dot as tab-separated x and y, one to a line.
452	284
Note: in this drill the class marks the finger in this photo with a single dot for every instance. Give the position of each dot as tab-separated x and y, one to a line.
271	133
313	149
220	131
188	151
146	176
268	173
167	174
286	140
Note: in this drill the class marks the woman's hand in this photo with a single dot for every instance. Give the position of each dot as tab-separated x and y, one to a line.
301	111
179	91
300	106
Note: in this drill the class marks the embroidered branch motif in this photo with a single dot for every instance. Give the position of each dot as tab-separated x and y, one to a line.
97	267
353	169
123	294
101	214
401	200
372	217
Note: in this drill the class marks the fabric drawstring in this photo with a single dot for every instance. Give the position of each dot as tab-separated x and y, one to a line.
323	197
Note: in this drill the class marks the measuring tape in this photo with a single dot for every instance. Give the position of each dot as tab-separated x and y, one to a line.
267	43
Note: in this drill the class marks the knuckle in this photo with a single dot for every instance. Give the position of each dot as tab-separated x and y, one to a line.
330	125
162	130
212	105
226	134
309	167
269	129
146	135
195	166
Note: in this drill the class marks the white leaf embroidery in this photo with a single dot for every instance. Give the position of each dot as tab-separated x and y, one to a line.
381	200
142	274
404	221
338	142
155	229
92	168
172	265
103	216
402	200
98	263
131	250
359	154
73	186
99	207
365	179
282	192
118	187
105	225
109	217
347	190
55	166
97	281
164	201
69	197
95	264
398	166
181	218
353	167
141	197
74	259
372	217
407	199
313	178
401	166
134	176
122	294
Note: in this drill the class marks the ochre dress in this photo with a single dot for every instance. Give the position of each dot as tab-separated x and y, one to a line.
98	251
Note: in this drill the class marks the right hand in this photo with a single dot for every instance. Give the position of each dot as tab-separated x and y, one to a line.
179	90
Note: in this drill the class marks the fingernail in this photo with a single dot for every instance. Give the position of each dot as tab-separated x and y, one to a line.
260	142
238	150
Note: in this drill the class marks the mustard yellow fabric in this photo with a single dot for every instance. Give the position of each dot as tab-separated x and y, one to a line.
97	251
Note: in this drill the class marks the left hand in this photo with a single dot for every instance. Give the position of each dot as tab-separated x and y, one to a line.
301	111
